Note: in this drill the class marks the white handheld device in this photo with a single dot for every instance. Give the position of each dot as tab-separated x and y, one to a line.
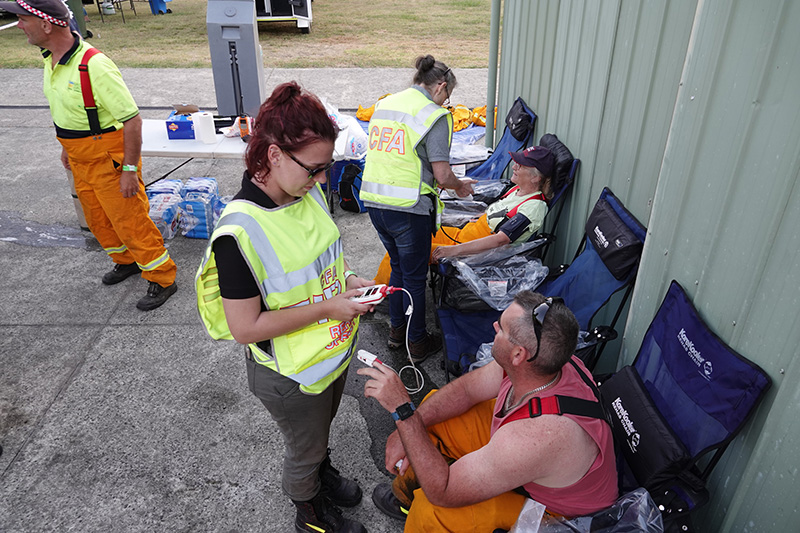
373	295
367	358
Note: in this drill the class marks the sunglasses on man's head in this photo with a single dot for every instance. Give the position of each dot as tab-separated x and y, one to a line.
538	314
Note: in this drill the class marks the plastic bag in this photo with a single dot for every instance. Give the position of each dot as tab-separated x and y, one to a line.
220	202
469	135
634	512
458	212
483	357
200	185
351	143
197	215
530	518
165	213
163	187
465	153
489	191
496	276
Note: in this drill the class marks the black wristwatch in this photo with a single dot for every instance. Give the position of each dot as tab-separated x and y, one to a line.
404	411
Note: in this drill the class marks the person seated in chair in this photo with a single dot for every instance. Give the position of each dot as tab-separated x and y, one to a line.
513	218
468	457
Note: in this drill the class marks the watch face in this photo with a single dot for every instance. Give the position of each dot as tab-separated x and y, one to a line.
404	411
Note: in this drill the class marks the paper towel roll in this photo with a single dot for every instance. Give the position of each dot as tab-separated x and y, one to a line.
204	130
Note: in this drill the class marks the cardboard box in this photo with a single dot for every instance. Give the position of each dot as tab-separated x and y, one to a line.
180	126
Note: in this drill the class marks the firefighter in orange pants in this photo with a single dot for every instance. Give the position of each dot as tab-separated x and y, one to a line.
99	127
513	218
505	426
455	438
121	224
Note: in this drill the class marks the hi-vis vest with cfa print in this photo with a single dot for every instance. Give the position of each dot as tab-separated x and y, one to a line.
393	171
295	254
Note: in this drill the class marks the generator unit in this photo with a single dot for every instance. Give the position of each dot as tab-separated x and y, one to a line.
285	10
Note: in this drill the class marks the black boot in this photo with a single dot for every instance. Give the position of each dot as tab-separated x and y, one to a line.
120	273
339	490
320	516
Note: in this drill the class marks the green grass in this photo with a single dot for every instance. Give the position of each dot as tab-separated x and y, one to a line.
344	33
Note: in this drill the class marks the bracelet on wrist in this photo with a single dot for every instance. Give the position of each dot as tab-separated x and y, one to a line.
348	273
129	168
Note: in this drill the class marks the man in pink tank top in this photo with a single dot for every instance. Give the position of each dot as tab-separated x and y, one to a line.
471	450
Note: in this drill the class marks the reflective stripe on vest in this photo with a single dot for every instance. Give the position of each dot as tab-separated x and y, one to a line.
292	268
393	170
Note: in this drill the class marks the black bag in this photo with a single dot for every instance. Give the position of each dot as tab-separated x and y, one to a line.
651	449
564	158
350	189
519	121
615	243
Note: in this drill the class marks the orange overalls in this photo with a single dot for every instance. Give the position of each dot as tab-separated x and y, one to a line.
455	438
121	225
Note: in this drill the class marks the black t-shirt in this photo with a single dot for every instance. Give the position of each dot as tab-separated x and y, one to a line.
236	281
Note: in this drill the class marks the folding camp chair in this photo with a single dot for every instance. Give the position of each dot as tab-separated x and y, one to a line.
520	122
606	263
679	406
566	169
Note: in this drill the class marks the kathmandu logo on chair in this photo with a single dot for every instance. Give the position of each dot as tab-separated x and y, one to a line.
627	424
601	239
695	355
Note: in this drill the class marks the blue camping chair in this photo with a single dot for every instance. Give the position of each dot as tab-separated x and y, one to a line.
605	264
679	406
520	122
596	274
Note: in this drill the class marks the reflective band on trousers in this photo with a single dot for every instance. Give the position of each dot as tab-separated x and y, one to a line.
117	250
152	265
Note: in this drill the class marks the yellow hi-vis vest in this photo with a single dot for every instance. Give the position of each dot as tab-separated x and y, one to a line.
393	170
295	254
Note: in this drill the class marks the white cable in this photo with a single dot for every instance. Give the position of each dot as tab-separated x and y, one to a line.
417	374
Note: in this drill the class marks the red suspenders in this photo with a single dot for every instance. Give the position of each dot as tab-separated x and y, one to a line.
86	90
513	211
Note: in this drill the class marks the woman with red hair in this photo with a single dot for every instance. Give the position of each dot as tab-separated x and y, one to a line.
274	279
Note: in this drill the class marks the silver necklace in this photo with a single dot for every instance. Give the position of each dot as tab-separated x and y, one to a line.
527	394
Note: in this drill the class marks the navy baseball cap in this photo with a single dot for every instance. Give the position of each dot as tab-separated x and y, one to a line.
53	11
536	156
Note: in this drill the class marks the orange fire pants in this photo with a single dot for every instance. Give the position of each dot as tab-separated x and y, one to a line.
446	236
455	438
121	225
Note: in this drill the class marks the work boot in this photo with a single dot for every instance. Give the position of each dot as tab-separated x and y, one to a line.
339	490
156	296
386	502
397	337
403	487
429	345
320	516
120	273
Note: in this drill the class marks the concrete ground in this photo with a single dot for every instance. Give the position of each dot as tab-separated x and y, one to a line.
116	420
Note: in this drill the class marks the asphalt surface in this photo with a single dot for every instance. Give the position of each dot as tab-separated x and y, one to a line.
118	420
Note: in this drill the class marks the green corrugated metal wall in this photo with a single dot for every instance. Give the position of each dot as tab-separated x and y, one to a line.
689	110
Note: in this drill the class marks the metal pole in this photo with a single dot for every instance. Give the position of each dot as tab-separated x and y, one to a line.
491	90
